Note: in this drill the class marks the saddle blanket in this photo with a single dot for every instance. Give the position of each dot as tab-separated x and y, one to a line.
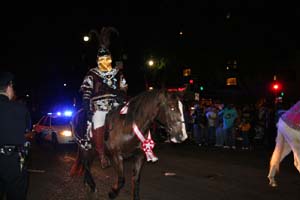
292	116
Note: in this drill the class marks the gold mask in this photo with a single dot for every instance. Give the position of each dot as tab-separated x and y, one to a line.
104	63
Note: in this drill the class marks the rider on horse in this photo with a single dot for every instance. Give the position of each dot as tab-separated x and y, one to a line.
103	89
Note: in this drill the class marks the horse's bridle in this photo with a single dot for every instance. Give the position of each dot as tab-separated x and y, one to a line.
166	106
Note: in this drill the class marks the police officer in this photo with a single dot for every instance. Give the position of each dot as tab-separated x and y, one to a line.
14	121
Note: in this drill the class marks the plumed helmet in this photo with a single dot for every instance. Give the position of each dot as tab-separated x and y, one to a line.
102	51
105	37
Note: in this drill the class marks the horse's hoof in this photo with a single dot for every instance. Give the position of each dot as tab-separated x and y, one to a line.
136	198
273	184
90	188
112	195
272	181
93	190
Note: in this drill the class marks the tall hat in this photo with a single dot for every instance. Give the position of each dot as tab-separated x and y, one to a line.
105	37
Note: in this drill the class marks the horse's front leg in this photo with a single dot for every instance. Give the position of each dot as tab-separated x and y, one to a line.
88	178
119	167
282	149
136	175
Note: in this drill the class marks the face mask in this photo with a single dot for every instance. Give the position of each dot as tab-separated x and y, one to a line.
104	63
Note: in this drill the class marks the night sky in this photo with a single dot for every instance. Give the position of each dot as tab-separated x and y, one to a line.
46	41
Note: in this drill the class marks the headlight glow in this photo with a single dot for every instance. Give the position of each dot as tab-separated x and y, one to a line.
66	133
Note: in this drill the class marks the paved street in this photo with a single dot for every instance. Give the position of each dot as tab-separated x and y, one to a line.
201	173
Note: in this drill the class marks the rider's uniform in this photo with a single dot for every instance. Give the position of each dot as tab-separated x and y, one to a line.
104	91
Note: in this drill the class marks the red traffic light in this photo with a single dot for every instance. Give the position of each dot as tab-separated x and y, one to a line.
191	81
276	86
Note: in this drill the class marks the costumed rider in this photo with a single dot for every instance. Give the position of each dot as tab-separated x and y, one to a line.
103	88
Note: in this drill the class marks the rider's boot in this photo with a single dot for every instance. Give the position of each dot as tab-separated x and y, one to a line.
98	135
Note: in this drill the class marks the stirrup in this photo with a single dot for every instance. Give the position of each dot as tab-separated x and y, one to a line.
85	144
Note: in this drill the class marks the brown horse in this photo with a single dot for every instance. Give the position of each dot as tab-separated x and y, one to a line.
121	141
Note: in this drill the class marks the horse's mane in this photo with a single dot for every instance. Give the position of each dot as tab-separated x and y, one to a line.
144	107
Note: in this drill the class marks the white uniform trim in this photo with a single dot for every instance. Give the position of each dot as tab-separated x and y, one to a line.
99	118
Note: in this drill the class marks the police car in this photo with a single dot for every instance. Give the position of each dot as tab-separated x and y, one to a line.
55	128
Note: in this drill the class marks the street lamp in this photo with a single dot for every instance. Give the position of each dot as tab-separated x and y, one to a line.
86	38
89	41
150	63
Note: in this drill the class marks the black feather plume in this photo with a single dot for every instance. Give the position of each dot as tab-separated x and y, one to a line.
106	35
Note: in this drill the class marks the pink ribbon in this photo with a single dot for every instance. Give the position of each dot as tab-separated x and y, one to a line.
147	144
124	110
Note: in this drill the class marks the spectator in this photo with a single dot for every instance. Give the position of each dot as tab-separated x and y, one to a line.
229	118
244	128
212	118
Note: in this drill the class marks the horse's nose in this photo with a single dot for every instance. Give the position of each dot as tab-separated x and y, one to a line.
183	137
173	139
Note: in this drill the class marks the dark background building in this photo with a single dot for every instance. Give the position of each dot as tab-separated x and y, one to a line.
43	45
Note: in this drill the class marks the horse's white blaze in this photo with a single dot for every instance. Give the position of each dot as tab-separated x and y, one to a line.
182	120
288	139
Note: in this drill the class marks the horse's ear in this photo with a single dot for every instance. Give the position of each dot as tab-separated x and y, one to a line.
163	95
171	95
174	96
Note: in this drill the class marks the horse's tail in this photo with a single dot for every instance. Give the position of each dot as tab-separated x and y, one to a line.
77	168
79	123
78	127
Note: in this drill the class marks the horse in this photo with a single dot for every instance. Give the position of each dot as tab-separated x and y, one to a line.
287	140
121	141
